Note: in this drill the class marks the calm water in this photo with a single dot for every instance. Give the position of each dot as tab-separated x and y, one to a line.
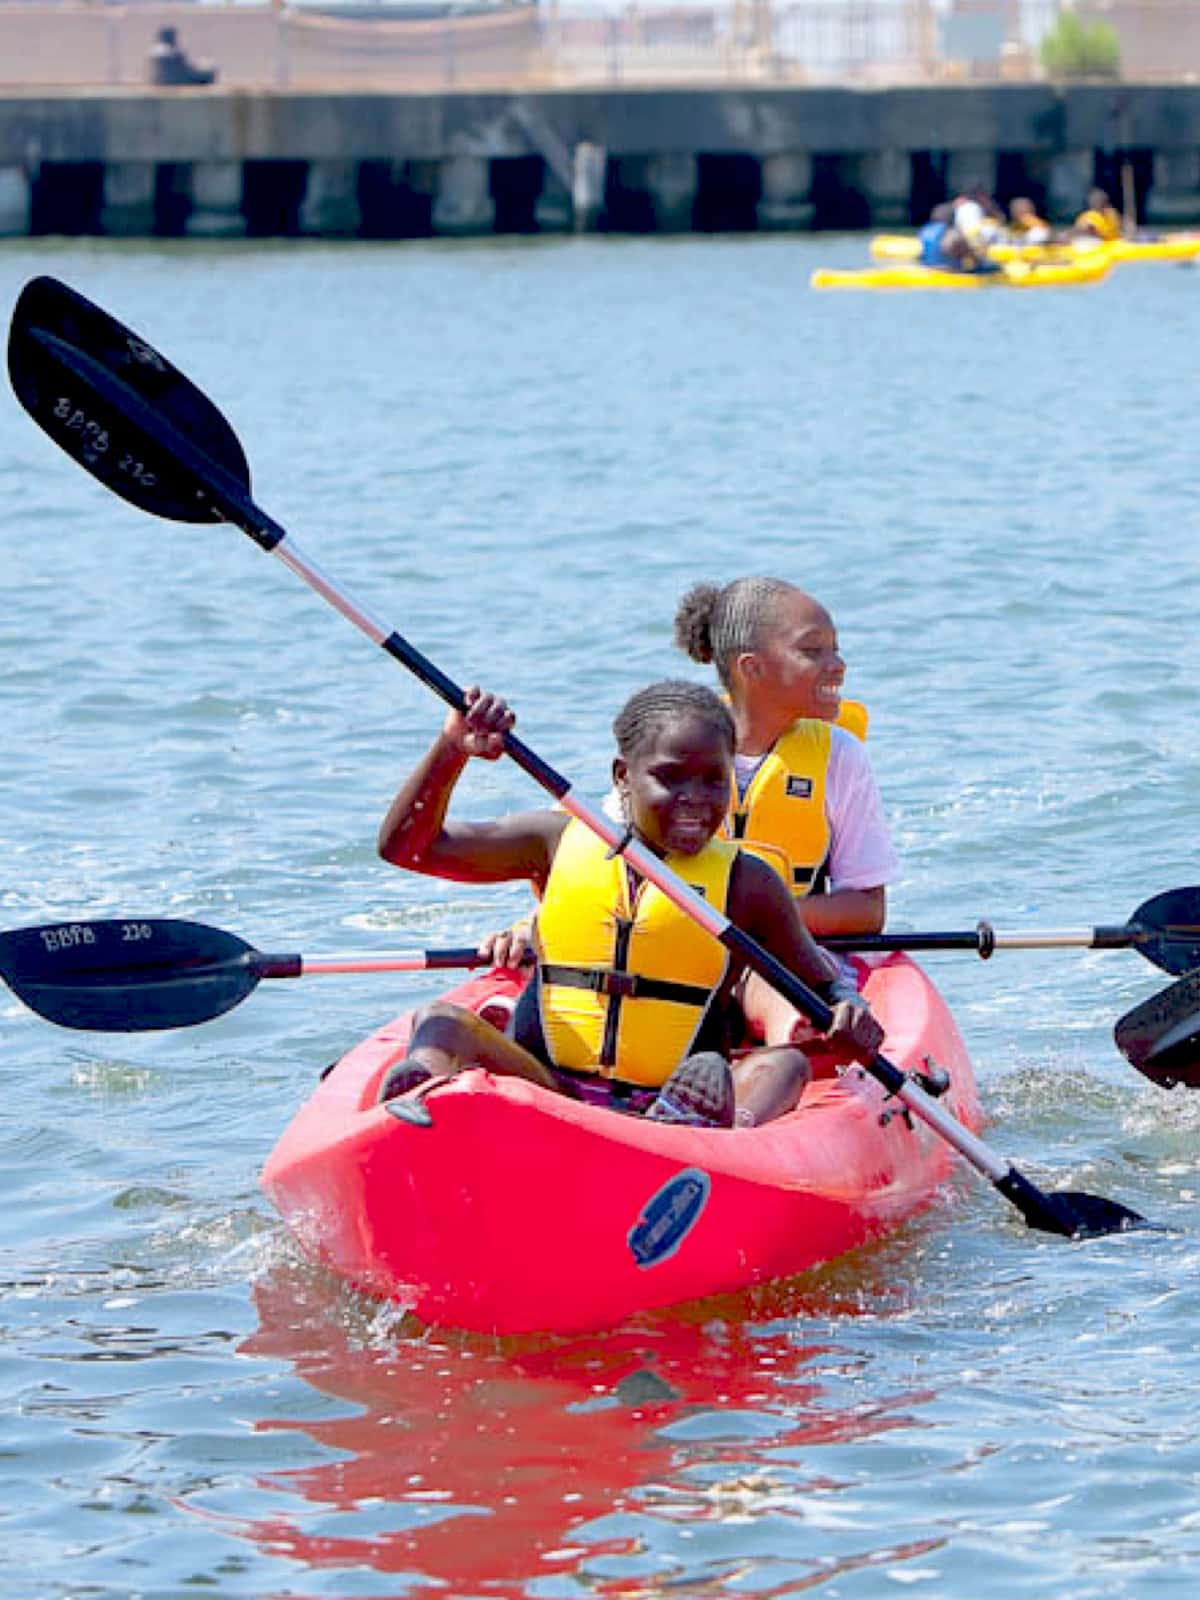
519	454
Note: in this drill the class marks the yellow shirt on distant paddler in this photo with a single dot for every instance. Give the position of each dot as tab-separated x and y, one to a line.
1105	223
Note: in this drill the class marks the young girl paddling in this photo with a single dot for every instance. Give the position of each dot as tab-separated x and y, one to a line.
803	793
631	1004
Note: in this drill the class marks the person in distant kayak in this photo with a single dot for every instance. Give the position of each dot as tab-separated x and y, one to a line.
974	223
930	238
963	256
803	792
1024	224
632	1005
1101	220
977	217
946	247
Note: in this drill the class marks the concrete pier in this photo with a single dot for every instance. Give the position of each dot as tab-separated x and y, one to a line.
15	207
670	181
128	206
1069	175
786	185
214	163
330	207
463	204
885	177
1174	197
589	174
217	210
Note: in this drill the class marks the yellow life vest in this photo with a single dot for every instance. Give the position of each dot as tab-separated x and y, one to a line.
781	817
1104	224
625	978
854	717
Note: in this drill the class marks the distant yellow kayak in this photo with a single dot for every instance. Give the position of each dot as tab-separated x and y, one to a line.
895	247
906	247
1012	275
1168	247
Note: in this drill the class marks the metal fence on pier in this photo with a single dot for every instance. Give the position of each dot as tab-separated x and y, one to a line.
84	43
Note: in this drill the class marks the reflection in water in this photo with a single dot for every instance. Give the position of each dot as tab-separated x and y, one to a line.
620	1461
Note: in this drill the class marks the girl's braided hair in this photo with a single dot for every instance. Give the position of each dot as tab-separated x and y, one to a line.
718	625
651	709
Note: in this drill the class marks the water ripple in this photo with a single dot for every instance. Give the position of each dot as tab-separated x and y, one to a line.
520	455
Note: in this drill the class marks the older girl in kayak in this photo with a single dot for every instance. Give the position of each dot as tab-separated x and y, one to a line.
632	1004
803	791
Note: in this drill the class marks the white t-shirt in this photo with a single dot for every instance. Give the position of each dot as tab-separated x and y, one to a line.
968	219
861	853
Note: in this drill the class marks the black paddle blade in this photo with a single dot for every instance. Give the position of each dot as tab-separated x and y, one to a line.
1168	930
1070	1213
103	394
1091	1216
1161	1037
127	976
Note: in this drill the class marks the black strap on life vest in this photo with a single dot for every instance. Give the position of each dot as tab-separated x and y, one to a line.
625	985
812	879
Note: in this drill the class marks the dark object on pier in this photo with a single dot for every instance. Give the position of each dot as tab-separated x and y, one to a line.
170	65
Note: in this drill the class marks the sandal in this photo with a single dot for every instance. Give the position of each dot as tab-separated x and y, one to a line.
401	1077
698	1093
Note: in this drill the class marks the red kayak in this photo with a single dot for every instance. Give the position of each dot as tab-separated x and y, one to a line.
520	1210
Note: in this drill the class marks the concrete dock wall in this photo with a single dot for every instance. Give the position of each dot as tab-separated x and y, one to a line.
214	161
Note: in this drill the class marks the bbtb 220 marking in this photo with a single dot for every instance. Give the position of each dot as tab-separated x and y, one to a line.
72	935
67	938
78	421
95	441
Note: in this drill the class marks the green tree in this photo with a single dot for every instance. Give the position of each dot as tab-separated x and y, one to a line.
1077	48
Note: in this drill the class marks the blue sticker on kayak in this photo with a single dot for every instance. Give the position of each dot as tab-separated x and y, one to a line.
668	1217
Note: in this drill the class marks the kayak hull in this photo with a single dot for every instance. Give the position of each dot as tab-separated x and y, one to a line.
1088	268
520	1210
1168	247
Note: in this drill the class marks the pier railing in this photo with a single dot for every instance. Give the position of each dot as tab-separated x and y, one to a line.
82	43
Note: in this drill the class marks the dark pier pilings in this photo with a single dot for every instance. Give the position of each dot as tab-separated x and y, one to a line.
283	162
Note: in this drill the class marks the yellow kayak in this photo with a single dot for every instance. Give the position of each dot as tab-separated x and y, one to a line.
1168	247
1012	275
906	247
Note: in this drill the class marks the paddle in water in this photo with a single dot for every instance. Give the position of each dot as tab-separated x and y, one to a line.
132	420
1161	1037
132	975
1164	929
